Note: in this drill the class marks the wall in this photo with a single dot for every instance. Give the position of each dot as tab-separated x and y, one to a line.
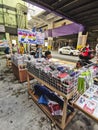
12	14
61	23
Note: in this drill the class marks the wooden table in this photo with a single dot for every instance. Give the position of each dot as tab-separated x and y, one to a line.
60	121
85	112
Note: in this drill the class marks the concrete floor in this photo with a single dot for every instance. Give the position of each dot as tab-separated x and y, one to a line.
18	112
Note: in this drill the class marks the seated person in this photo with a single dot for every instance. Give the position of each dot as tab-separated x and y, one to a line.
79	64
7	50
48	55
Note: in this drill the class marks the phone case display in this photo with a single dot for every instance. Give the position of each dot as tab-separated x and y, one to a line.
62	77
89	101
85	79
61	80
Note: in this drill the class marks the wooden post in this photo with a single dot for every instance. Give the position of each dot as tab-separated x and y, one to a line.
64	114
28	80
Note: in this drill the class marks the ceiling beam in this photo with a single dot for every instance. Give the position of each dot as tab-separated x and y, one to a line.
88	12
92	23
91	19
87	17
94	27
68	4
58	4
76	4
83	8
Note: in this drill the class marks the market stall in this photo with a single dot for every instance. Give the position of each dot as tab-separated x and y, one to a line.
58	88
46	76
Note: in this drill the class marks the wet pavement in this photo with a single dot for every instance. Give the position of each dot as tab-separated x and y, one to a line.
19	112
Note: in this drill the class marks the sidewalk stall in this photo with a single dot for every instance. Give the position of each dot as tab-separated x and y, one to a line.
59	87
19	61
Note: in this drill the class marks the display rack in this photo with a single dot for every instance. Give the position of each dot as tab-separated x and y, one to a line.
88	102
60	121
81	109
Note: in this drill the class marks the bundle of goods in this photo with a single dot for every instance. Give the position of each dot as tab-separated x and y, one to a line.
86	77
89	101
51	100
62	77
20	60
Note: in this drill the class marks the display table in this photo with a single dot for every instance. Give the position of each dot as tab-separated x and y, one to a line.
88	102
60	121
21	74
65	84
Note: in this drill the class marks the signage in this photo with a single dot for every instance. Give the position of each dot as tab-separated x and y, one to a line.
27	36
2	28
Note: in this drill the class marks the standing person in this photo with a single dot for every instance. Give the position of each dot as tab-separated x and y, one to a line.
97	51
13	48
38	53
21	48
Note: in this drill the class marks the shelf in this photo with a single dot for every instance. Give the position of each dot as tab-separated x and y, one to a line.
68	96
55	119
60	121
91	116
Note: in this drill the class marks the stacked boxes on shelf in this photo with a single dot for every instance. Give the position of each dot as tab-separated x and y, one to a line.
61	77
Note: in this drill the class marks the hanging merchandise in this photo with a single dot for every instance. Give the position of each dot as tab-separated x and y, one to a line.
85	80
81	84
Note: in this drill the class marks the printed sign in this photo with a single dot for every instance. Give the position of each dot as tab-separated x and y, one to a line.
27	36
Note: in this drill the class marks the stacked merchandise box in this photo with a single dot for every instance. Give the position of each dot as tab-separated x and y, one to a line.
19	66
64	78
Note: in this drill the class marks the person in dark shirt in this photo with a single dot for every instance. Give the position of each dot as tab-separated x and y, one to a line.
48	55
7	50
38	53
